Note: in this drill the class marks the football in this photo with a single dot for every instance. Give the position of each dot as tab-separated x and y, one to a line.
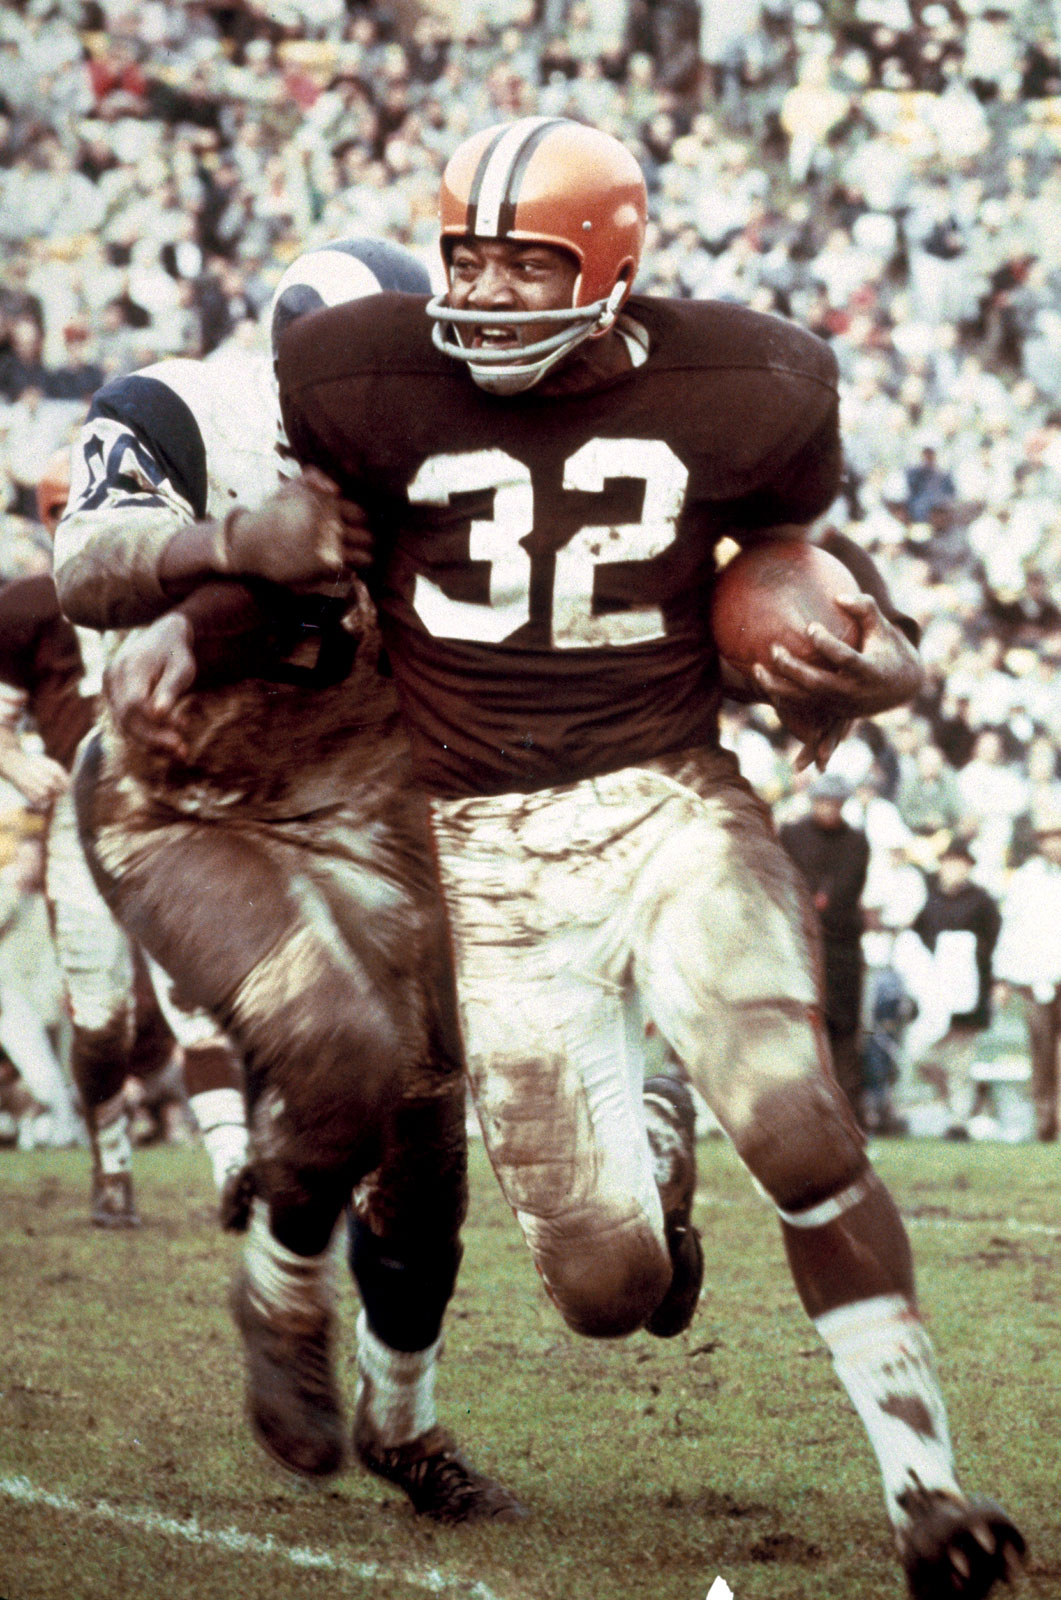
769	593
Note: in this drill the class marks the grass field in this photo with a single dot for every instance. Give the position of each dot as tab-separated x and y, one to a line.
126	1471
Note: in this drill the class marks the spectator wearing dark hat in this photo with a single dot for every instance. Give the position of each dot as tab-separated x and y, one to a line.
961	914
1028	955
834	858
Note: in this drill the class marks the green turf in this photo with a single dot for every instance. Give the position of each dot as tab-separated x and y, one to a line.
649	1468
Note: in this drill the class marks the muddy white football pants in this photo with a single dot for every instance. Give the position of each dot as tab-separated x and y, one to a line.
663	889
97	963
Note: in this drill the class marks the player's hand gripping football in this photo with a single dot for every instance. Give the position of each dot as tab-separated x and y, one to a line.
303	533
843	681
151	670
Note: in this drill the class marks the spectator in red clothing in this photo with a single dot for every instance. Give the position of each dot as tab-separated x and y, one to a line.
118	81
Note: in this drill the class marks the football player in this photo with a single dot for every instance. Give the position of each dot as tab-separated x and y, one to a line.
547	463
119	1027
275	859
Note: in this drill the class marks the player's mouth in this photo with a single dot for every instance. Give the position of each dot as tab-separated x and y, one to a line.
495	338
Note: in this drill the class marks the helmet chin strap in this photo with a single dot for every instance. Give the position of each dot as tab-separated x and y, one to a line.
511	371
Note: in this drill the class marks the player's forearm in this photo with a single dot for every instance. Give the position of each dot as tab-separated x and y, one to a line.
229	629
124	567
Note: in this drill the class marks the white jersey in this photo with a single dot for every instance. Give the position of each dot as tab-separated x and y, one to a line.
181	442
177	442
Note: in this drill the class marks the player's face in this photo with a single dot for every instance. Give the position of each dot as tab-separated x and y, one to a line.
505	275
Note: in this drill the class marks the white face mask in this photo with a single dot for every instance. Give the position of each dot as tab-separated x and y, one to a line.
511	371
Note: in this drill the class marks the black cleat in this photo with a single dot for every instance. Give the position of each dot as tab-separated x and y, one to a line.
112	1204
438	1481
671	1118
957	1549
292	1396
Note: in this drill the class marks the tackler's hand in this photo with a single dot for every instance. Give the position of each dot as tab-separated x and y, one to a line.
144	683
304	533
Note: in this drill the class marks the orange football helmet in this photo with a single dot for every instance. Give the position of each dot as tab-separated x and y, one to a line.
543	180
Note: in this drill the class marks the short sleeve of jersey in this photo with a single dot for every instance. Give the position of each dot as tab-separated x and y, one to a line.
141	439
138	472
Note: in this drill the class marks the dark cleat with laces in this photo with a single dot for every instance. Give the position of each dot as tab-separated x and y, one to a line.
112	1204
439	1482
670	1116
292	1396
957	1549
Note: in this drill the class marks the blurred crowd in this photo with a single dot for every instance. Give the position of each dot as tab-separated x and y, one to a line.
884	172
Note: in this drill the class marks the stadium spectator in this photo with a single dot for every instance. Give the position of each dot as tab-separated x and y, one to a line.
117	144
833	858
928	797
959	924
930	490
1028	955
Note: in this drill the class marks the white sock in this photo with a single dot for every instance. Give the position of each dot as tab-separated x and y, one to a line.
221	1120
111	1128
294	1288
883	1357
395	1388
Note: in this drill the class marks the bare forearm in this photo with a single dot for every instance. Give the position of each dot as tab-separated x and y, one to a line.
229	628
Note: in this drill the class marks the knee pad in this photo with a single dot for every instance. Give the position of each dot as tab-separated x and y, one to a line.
405	1286
803	1146
605	1284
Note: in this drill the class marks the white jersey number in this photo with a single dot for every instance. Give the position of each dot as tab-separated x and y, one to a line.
497	540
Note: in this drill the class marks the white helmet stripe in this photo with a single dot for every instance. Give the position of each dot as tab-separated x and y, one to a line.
493	184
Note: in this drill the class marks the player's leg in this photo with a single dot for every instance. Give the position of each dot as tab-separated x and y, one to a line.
257	946
160	1110
321	1051
213	1080
96	963
726	965
26	1044
556	1078
405	1252
305	942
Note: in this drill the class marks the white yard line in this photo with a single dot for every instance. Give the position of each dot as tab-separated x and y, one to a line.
999	1224
233	1541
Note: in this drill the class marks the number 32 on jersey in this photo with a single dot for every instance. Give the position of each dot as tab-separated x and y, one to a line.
496	539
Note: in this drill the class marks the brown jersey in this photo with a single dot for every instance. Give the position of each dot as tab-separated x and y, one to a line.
40	655
545	562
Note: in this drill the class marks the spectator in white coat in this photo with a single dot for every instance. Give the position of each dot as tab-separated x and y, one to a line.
1028	955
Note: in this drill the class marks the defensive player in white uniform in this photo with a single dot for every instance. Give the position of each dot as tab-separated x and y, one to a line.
119	1026
274	860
